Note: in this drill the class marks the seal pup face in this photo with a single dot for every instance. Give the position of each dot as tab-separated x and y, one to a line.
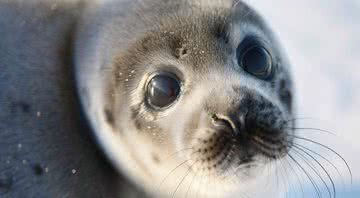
202	100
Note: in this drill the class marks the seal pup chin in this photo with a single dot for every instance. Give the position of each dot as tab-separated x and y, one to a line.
187	98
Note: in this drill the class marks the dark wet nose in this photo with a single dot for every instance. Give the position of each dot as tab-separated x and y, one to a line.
250	119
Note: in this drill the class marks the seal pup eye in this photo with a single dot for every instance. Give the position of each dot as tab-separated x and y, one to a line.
256	60
162	90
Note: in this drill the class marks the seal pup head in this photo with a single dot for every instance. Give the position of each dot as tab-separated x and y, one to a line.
187	98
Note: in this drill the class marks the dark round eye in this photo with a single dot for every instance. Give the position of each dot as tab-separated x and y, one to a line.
257	61
162	90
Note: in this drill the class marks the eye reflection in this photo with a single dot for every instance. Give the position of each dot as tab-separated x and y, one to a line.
255	59
162	90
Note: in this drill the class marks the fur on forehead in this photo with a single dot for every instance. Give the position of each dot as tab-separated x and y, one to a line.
145	13
187	4
183	30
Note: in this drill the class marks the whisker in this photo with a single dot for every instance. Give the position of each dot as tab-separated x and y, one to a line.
277	178
266	172
174	170
322	167
190	184
322	157
300	118
297	176
307	175
330	149
312	166
268	168
285	175
177	152
182	180
313	129
228	174
234	173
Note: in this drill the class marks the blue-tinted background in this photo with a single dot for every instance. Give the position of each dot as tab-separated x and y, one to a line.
322	39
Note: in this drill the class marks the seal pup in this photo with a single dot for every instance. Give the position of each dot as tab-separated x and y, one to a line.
187	98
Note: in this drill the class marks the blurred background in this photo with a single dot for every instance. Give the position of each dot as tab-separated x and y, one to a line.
322	39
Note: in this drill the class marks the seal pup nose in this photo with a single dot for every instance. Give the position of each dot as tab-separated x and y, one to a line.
233	123
250	118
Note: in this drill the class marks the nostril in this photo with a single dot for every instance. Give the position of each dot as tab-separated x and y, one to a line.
226	123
